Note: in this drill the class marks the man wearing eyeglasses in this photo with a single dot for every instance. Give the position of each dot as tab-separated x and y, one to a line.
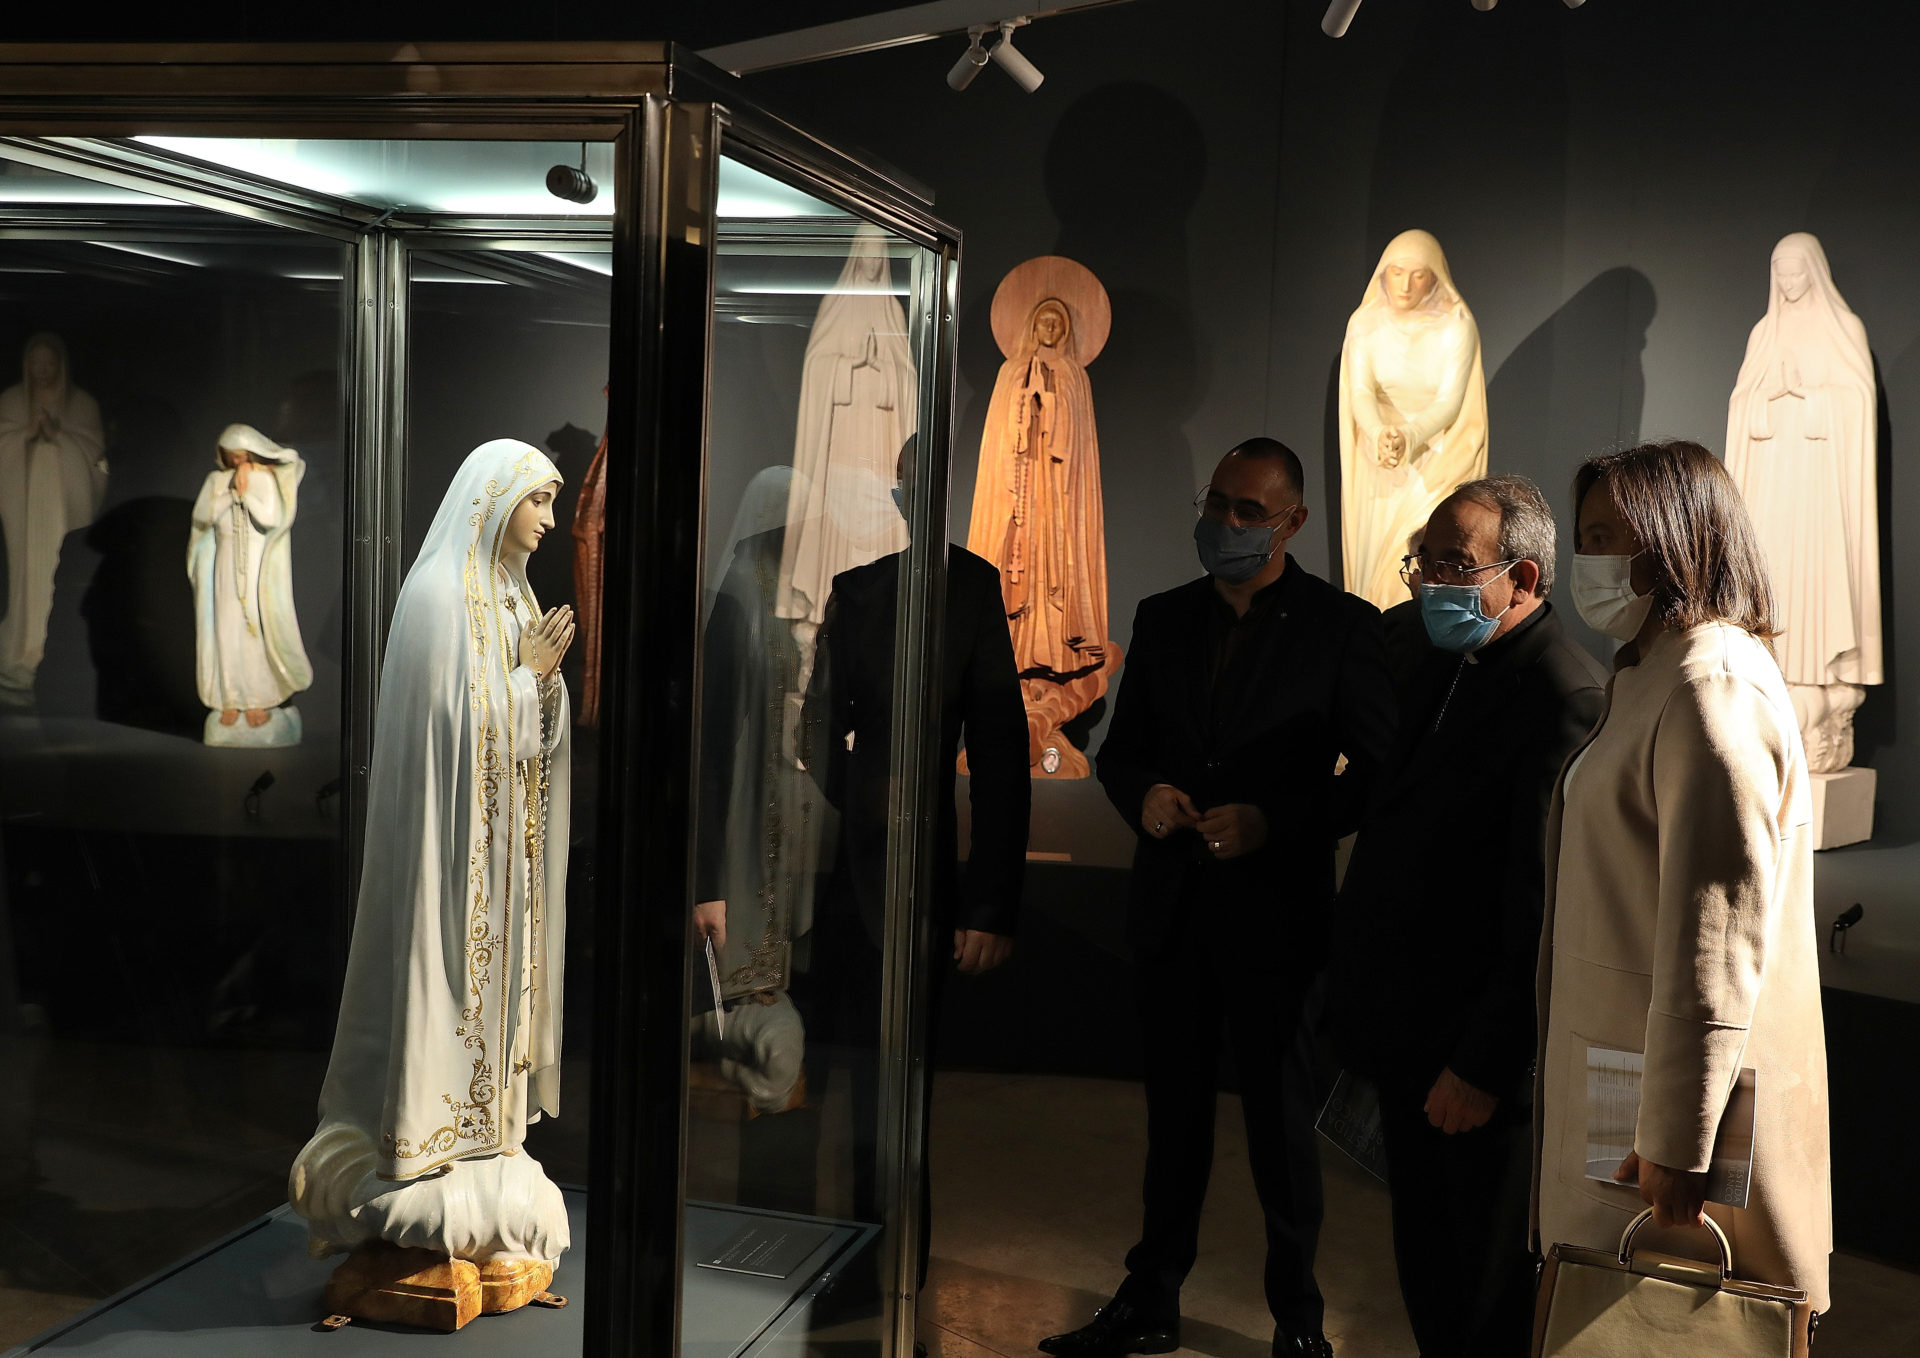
1243	690
1432	987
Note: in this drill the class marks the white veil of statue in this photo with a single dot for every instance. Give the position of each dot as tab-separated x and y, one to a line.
1801	445
248	652
449	1037
1413	411
53	475
859	403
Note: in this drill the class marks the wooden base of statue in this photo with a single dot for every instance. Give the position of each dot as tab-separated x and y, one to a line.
423	1288
1843	807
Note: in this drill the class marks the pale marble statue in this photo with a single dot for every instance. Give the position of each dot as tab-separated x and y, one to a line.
247	649
53	474
859	403
1037	509
448	1043
1413	410
1801	445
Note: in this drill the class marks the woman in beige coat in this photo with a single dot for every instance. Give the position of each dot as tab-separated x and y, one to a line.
1679	918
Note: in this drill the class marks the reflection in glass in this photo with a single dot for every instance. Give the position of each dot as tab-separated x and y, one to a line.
53	473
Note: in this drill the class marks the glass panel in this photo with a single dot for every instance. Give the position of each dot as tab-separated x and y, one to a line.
172	893
817	353
177	904
512	344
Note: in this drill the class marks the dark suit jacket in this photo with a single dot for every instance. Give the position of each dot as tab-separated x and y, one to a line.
1440	913
851	692
1306	684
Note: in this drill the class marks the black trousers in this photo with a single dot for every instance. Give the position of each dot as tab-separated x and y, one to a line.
1460	1226
1190	993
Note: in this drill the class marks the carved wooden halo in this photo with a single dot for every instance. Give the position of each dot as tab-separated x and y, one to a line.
1064	280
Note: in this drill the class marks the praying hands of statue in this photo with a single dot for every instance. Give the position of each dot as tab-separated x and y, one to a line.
1392	447
1789	380
544	643
47	428
241	464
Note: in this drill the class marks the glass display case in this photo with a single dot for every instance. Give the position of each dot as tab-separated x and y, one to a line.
267	303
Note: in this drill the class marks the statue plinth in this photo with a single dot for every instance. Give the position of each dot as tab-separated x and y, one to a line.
393	1285
1843	807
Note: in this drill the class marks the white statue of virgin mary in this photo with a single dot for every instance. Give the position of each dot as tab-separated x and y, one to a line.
1801	445
53	474
1413	411
859	403
247	649
449	1037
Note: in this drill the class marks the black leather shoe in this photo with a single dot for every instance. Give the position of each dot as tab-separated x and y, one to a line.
1116	1328
1301	1346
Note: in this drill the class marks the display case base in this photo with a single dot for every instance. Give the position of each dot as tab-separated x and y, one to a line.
259	1292
1843	807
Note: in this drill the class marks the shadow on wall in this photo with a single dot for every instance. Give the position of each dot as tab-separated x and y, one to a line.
1876	727
1575	386
1152	376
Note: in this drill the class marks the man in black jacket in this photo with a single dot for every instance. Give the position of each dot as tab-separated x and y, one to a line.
1242	692
848	743
1432	992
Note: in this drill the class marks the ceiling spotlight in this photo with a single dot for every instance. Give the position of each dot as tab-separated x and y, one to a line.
971	62
1025	74
1339	14
576	186
1484	5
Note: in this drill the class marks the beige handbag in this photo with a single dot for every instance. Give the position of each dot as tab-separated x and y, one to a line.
1598	1304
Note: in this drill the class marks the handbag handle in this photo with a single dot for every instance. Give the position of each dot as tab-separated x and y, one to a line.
1633	1227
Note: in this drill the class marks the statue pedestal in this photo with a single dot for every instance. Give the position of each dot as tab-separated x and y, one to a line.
1843	807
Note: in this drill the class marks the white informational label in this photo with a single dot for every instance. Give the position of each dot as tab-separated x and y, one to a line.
1613	1114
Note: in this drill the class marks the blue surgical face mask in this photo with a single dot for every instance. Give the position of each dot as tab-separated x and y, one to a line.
1232	554
1454	617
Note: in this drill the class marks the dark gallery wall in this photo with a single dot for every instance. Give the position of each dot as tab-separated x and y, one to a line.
1608	184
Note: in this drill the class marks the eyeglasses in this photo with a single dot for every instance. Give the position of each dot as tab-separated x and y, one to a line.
1446	572
1211	504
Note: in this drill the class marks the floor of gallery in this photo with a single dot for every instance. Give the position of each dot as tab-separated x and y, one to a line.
1035	1203
1035	1197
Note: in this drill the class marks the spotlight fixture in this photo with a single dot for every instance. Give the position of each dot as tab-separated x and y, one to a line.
576	186
971	62
1025	74
1339	14
1484	5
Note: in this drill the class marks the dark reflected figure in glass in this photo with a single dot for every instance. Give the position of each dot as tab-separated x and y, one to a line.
1431	992
1245	689
848	747
53	474
762	819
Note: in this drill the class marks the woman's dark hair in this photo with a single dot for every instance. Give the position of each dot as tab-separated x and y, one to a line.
1678	498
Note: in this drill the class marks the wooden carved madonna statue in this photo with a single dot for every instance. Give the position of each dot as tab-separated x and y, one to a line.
1037	511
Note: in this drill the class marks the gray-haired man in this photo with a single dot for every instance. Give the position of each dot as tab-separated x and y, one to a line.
1439	918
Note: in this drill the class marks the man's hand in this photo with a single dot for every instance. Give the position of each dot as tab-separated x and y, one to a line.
1454	1106
1677	1196
1165	809
710	921
1233	830
977	951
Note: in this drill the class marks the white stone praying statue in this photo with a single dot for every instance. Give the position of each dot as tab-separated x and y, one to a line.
1802	446
448	1043
1413	410
53	474
248	655
859	403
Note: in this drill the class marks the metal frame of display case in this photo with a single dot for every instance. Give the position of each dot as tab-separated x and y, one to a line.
669	116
